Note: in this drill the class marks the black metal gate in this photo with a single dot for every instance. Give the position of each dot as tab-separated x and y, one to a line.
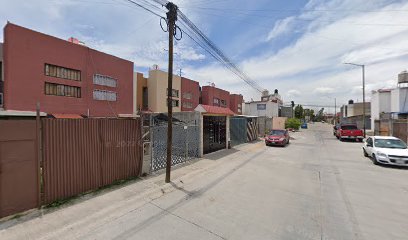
214	133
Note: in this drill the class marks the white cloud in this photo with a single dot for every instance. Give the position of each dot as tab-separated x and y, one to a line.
281	27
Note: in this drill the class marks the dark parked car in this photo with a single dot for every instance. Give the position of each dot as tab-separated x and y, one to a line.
304	125
277	137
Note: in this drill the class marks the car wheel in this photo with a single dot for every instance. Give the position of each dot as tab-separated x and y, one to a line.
365	153
374	159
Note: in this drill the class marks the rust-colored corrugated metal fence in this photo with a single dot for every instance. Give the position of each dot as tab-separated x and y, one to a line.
19	182
83	154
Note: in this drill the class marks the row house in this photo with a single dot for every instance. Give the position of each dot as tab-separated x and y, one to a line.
65	77
212	96
150	94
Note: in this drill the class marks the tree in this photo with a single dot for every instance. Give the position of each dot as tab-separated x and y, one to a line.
292	123
299	112
320	115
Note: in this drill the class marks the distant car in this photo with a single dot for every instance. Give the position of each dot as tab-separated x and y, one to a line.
386	150
304	125
349	131
277	137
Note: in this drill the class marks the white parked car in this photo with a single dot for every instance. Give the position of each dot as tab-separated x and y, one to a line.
386	150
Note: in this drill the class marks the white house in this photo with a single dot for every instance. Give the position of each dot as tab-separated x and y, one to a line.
380	103
262	109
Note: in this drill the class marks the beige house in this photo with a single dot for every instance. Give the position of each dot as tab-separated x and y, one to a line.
157	87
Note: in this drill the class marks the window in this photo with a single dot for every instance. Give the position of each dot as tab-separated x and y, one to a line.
62	90
1	71
1	100
187	95
175	103
187	105
216	102
103	95
223	103
61	72
174	92
104	80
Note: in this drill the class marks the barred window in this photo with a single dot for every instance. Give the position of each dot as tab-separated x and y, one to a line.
62	90
175	103
223	103
103	80
104	95
187	95
174	92
187	105
62	72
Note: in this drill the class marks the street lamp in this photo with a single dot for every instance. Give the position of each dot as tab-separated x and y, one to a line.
364	105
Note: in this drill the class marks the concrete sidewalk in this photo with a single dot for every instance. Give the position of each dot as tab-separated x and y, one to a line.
84	215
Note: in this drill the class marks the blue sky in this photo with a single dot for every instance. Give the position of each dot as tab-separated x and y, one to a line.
295	46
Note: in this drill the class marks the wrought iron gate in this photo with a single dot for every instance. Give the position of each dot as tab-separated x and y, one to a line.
186	143
215	133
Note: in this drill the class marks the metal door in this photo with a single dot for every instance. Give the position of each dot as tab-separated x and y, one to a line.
215	133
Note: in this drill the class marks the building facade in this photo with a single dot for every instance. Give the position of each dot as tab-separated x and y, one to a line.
210	95
1	76
65	78
262	109
157	91
236	102
141	93
380	104
190	94
353	113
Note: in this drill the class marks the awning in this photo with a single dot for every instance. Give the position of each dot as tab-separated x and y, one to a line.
66	116
207	109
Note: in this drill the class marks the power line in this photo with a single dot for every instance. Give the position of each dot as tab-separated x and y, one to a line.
211	47
145	8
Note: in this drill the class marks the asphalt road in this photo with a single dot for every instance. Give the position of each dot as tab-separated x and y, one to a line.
315	188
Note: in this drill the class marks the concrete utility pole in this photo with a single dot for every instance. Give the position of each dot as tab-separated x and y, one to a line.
335	111
364	103
171	21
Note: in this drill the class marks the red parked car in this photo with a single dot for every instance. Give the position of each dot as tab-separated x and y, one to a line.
349	131
277	137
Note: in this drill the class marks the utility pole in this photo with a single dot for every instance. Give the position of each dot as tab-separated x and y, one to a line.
364	103
171	22
335	111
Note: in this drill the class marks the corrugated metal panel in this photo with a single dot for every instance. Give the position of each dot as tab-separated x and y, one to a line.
19	189
84	154
238	130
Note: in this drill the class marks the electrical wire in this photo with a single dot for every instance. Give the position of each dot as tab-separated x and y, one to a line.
210	46
145	8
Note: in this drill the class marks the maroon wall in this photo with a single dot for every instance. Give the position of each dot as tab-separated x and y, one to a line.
236	99
193	87
25	55
208	94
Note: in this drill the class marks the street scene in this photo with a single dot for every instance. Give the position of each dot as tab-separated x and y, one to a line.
314	188
154	119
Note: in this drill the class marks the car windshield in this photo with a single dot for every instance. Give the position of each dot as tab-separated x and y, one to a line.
389	143
277	132
349	127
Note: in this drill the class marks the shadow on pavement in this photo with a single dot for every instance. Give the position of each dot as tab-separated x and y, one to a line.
220	154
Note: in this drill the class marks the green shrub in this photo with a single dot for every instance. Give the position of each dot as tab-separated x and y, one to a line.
293	123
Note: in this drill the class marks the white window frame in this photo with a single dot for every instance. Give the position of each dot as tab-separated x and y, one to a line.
103	80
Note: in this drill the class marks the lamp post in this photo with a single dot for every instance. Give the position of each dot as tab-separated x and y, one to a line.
364	105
